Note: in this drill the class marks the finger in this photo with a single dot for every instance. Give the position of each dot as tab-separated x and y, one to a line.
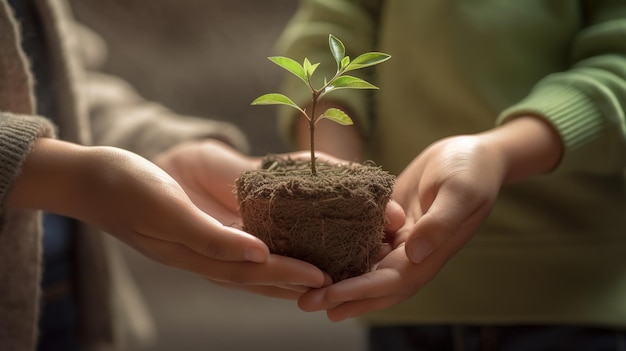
251	284
207	236
279	270
385	249
314	300
382	282
285	293
395	216
353	296
356	308
212	207
369	285
445	216
214	156
276	269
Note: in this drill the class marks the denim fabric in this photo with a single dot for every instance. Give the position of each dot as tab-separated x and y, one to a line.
57	249
495	338
57	323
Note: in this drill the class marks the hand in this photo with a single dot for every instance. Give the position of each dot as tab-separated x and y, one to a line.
207	170
447	193
137	202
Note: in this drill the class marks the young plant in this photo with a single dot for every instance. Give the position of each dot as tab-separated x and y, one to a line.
340	80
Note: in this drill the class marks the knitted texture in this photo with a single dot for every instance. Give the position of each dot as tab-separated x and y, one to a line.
17	135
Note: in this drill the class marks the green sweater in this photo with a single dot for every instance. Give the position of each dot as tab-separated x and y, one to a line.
554	248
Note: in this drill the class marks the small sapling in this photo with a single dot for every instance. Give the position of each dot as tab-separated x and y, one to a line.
341	80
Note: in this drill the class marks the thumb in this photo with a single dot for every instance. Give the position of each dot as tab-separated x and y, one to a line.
440	222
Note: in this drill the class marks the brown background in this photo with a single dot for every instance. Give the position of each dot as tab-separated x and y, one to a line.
198	57
209	58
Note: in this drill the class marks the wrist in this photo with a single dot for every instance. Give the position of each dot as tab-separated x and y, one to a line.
529	146
47	176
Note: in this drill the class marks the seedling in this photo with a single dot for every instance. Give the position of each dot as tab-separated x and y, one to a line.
340	80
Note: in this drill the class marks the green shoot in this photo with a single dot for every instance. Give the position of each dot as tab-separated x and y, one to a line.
340	80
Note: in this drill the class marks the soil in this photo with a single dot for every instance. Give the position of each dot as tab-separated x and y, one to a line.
334	220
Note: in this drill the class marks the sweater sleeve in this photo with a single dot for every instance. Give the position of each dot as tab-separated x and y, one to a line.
306	35
586	104
18	134
121	117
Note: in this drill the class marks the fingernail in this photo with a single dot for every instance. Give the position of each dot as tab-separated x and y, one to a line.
418	249
327	280
254	255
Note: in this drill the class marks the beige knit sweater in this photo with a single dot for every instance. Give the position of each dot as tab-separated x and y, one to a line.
94	109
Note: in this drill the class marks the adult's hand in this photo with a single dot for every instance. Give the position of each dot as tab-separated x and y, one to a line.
131	198
207	170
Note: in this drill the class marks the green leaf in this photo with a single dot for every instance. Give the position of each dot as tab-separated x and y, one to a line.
366	60
275	99
337	115
290	65
309	68
352	83
337	49
345	61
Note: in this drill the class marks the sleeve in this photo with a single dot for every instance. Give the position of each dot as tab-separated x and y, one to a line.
586	104
121	117
18	134
354	22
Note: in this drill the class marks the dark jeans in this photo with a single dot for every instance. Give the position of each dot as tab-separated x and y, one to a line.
57	322
495	338
58	326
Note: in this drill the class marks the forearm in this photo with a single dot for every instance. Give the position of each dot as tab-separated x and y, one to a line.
528	145
73	180
122	118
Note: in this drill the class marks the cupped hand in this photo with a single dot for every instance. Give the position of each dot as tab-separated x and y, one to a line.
447	193
207	171
134	200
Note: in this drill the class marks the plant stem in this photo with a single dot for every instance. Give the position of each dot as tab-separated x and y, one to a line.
316	96
312	123
312	135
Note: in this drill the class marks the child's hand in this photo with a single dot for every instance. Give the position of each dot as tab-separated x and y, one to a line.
447	192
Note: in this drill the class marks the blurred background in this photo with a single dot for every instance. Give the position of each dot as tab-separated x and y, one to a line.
209	58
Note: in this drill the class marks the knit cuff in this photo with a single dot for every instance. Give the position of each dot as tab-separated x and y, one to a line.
17	136
578	121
